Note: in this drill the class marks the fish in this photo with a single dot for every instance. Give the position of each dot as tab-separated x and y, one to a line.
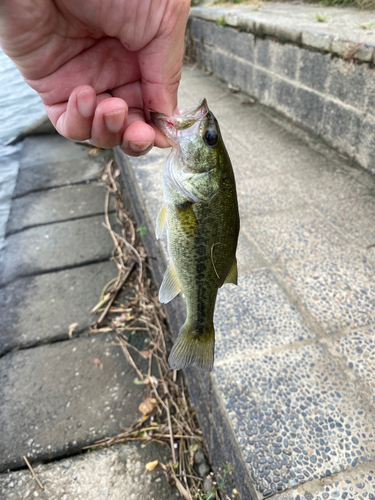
201	218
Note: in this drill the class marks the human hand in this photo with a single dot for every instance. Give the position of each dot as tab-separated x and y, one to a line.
99	65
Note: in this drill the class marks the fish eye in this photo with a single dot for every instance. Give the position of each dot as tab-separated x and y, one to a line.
210	137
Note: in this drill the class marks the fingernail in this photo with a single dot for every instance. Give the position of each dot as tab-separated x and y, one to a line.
139	147
86	103
115	120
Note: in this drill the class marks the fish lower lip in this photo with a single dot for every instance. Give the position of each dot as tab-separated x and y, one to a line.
164	124
155	116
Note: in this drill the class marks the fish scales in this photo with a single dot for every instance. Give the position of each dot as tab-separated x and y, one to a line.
200	214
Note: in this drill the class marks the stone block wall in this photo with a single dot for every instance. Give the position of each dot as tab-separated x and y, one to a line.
331	96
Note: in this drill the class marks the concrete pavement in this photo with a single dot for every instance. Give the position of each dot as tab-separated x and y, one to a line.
62	392
115	473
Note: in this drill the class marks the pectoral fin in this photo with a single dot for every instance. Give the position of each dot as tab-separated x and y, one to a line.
233	274
170	286
161	221
187	218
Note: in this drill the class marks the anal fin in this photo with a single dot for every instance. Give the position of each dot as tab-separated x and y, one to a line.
233	273
161	221
170	286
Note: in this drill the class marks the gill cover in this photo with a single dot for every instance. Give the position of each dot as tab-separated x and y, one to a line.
195	139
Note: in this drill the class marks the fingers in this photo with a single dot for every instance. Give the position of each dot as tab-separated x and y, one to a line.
89	116
138	138
106	121
76	121
102	119
109	123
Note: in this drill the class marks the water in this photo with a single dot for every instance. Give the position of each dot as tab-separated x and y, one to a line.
20	106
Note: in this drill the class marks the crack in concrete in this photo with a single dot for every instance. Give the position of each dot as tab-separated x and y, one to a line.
53	270
32	226
49	188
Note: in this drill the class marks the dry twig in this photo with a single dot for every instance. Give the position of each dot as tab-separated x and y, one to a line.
171	434
33	473
171	419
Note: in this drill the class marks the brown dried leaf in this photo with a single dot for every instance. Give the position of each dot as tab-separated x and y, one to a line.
183	491
120	320
72	327
142	252
94	151
99	363
146	354
147	406
148	380
151	465
233	88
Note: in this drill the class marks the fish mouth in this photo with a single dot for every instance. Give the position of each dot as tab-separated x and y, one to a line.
169	125
197	111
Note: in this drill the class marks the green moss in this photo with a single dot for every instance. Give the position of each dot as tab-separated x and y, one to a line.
142	230
221	21
320	17
362	4
366	26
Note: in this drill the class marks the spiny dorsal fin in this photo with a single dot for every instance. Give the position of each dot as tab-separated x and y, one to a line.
161	221
170	286
233	274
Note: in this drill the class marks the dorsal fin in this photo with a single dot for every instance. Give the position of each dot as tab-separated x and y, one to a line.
170	286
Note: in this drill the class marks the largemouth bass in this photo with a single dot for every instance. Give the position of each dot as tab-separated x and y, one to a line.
200	214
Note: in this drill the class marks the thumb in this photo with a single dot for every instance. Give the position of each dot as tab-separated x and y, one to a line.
161	60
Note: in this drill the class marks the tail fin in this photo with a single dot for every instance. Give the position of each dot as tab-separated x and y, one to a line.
193	349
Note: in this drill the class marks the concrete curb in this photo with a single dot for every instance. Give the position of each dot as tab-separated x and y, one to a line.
320	81
43	126
220	440
324	40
